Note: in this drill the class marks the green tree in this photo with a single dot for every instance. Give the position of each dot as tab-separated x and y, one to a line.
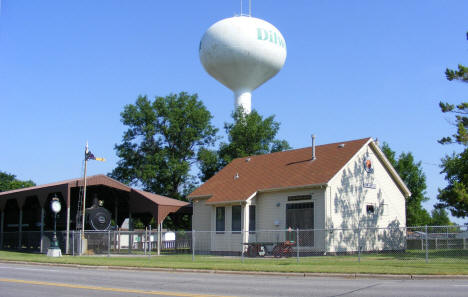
454	196
439	217
461	122
248	134
412	174
163	139
460	110
9	182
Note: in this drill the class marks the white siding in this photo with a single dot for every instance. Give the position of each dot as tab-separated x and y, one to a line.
201	223
226	241
347	199
271	207
201	220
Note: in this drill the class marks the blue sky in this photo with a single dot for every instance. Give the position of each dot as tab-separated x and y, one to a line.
354	69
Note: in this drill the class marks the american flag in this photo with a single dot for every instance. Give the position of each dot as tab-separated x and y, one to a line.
90	156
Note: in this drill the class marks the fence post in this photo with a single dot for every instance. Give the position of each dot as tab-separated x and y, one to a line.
108	243
73	243
150	243
427	246
447	237
119	241
242	245
145	243
359	245
159	238
130	241
193	245
297	245
80	248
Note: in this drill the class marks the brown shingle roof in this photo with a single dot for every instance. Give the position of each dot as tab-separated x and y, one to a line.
292	168
94	180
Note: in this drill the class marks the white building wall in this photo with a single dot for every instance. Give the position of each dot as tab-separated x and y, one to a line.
347	199
271	209
226	241
201	220
201	223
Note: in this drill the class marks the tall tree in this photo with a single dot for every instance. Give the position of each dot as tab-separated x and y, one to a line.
412	174
10	182
248	134
439	217
460	110
162	142
454	196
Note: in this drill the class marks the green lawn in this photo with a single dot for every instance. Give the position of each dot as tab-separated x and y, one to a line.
407	263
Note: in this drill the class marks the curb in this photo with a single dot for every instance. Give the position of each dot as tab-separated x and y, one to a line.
263	273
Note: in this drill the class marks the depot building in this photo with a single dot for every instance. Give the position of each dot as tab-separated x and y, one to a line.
327	191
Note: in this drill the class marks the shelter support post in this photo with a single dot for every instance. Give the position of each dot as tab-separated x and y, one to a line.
130	228
42	199
150	245
20	228
2	222
116	212
20	202
159	238
42	229
67	241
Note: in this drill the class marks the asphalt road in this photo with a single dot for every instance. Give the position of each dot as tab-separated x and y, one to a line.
50	281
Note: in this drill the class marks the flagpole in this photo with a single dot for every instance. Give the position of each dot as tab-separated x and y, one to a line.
84	195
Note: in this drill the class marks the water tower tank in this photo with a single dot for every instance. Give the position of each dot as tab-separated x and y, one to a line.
242	53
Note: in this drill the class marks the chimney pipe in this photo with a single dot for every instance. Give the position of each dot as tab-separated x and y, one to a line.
313	147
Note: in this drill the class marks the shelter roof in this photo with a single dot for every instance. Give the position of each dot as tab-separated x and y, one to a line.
244	177
160	200
95	180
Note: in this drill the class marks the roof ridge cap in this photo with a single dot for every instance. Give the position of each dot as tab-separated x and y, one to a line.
301	148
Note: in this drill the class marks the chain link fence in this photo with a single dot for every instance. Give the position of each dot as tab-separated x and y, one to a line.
424	244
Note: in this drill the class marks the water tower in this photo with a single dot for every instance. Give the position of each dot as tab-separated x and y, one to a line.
242	53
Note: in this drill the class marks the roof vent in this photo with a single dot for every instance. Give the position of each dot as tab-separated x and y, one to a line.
341	145
236	176
313	147
247	160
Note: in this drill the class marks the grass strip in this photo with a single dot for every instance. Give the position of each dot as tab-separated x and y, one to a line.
375	264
